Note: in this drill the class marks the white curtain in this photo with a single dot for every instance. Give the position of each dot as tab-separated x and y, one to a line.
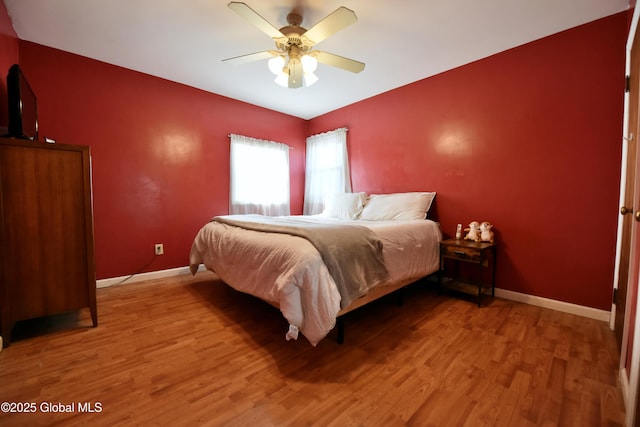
327	169
259	177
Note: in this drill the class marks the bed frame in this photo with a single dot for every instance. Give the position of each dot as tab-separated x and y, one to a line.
375	294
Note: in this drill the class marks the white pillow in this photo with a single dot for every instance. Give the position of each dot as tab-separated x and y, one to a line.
345	205
397	206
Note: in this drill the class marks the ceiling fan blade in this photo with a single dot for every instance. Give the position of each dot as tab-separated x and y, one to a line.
334	22
243	59
253	17
339	61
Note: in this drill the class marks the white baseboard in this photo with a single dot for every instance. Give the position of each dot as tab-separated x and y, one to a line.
580	310
103	283
624	386
566	307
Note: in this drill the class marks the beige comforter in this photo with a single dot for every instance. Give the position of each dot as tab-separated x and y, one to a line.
352	253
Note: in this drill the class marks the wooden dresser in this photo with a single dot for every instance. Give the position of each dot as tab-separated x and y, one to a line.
47	263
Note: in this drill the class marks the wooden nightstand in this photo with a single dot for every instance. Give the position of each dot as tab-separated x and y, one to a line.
483	254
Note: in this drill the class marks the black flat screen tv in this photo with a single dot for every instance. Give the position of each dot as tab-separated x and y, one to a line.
23	111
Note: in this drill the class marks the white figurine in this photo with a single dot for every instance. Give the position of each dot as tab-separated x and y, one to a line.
473	231
486	235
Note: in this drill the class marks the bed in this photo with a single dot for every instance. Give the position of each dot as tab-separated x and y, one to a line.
311	279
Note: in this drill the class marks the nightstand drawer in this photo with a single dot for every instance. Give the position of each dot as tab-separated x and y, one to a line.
461	253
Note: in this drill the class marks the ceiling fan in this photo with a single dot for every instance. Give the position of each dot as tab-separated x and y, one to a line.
295	61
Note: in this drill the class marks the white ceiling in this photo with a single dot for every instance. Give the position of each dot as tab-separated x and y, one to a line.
400	41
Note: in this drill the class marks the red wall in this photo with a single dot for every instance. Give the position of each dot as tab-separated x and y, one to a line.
160	152
8	56
529	139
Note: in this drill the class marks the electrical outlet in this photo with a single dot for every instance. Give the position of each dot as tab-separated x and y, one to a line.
159	249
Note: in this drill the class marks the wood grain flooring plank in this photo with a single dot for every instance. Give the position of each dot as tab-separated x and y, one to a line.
192	351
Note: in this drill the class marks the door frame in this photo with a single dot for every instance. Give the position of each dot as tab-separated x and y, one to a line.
627	187
628	380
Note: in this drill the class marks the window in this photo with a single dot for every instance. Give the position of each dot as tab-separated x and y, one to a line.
259	177
327	169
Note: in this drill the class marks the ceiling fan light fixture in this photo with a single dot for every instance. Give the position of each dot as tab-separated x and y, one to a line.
295	71
276	64
282	79
309	63
309	79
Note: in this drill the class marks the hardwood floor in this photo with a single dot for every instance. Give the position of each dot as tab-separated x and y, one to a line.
191	351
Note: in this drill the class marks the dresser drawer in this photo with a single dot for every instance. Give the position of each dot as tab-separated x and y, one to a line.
461	253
